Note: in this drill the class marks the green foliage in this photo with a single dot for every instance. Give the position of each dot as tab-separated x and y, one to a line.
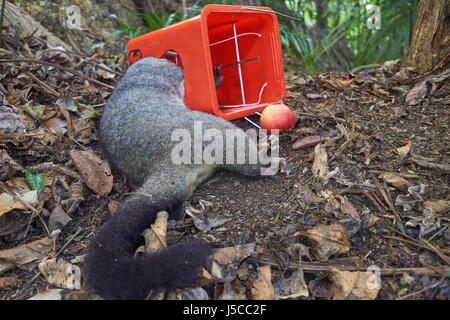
309	53
321	35
129	32
391	41
36	181
155	21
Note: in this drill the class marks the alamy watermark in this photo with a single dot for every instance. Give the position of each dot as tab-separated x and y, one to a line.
73	14
230	147
374	21
373	282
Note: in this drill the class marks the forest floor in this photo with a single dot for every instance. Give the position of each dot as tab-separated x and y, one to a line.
368	192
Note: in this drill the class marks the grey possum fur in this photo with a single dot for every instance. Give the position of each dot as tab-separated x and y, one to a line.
135	130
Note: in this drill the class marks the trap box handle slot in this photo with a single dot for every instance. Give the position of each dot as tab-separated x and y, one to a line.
222	35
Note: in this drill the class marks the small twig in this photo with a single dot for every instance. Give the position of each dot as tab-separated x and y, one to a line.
424	289
15	135
320	116
438	233
342	147
391	206
42	84
422	244
72	237
58	168
401	174
371	66
306	234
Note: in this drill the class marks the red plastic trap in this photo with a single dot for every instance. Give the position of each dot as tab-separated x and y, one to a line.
240	42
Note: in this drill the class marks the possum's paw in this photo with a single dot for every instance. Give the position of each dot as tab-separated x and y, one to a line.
270	142
284	166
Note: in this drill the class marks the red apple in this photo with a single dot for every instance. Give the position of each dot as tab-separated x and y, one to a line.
277	116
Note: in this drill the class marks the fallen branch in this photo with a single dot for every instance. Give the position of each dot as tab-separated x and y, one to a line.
348	264
432	165
62	24
49	166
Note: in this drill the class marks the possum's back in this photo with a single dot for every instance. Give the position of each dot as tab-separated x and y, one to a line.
144	109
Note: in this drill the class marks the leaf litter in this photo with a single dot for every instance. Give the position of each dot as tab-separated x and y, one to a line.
369	185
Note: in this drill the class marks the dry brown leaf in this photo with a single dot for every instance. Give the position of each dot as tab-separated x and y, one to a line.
52	294
155	236
8	167
23	256
348	209
363	146
353	285
12	281
75	197
19	184
308	142
11	223
396	181
95	172
56	125
431	165
294	286
313	96
104	73
233	254
66	103
113	206
306	196
262	287
320	164
392	65
327	241
61	273
403	151
416	94
438	206
66	115
333	206
340	83
206	278
58	55
236	291
291	94
8	203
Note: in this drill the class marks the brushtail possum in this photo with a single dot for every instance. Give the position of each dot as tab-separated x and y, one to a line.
135	130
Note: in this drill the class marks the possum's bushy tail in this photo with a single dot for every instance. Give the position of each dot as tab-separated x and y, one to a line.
113	271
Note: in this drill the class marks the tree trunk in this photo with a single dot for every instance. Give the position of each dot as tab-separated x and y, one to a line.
430	42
